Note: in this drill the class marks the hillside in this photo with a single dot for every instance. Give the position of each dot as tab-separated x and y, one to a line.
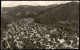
68	11
22	11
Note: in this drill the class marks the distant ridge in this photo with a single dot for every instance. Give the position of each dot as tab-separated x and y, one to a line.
68	11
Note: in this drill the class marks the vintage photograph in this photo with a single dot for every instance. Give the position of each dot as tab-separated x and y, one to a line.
40	24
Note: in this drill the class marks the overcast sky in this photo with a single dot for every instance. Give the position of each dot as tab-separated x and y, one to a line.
34	3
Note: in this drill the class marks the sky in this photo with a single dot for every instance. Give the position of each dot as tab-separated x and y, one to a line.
33	3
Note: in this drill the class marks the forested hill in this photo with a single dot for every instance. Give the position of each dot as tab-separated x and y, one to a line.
68	11
23	11
42	14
